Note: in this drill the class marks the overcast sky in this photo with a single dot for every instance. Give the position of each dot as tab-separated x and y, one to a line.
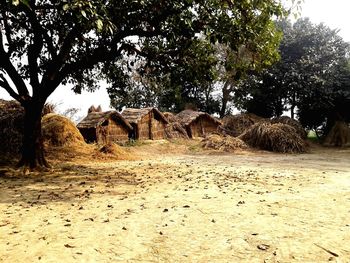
334	13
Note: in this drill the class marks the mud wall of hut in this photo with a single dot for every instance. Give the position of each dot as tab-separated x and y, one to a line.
202	126
158	129
144	128
113	132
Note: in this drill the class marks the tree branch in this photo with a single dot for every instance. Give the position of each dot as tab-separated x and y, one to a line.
4	83
7	31
34	48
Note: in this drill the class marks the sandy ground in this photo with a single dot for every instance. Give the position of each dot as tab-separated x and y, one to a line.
181	207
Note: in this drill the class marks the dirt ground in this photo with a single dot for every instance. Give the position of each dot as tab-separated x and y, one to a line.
178	204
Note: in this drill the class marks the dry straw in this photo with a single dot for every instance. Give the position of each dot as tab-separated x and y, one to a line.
60	131
235	125
223	143
276	137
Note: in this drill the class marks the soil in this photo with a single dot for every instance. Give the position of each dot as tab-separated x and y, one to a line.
177	203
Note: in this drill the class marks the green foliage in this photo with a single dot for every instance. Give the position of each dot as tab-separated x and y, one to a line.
311	79
172	76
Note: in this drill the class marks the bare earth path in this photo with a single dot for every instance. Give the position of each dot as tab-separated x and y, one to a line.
248	207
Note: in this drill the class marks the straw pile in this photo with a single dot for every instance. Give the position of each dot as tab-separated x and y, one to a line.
174	129
171	117
339	135
223	143
11	127
60	131
235	125
112	151
294	123
276	137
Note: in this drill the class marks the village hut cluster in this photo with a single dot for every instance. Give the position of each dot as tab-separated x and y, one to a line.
241	131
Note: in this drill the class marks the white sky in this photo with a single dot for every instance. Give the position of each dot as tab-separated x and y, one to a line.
334	13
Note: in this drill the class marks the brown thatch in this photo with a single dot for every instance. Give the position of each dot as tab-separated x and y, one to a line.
276	137
294	123
147	123
235	125
339	135
171	117
223	143
59	131
105	127
198	124
175	131
11	127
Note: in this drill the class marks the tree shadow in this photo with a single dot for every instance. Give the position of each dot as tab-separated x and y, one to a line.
66	183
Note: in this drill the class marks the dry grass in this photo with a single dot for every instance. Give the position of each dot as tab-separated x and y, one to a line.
171	117
11	128
175	130
276	137
60	131
339	135
235	125
294	123
112	151
223	143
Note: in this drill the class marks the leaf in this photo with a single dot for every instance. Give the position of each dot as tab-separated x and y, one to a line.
83	13
99	24
65	7
15	2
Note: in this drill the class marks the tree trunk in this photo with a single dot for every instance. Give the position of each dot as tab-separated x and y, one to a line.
225	99
32	145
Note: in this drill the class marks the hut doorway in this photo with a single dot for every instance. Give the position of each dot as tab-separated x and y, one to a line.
89	134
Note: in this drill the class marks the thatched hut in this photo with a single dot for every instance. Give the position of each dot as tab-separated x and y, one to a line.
147	123
197	123
105	127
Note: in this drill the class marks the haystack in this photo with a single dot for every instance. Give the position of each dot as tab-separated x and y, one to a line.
235	125
339	135
112	151
276	137
171	117
223	143
60	131
11	127
175	131
294	123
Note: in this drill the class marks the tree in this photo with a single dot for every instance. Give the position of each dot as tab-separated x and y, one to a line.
305	80
46	43
191	73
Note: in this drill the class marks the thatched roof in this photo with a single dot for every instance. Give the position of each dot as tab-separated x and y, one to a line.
94	119
135	115
188	116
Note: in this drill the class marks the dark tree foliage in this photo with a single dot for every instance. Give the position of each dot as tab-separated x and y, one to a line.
311	79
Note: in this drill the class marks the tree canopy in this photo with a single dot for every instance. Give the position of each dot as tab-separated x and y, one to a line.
311	78
46	43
